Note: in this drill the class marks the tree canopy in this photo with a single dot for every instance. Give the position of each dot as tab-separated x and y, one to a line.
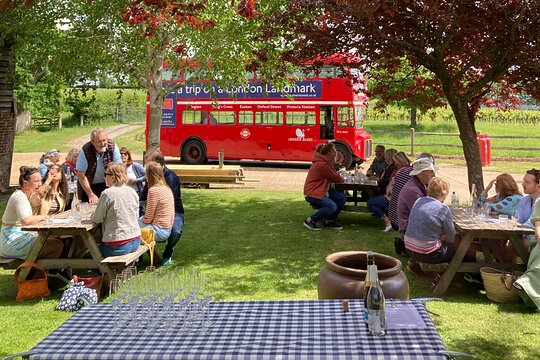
470	47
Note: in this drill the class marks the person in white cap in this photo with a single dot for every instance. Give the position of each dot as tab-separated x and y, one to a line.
423	170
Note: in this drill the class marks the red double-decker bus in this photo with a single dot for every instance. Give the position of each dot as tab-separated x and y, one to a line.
258	122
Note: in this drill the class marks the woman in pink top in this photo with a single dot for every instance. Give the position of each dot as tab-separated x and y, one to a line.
159	212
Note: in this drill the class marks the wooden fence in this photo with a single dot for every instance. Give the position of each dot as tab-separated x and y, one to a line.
413	144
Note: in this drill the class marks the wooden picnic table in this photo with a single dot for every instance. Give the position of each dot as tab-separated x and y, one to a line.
62	225
368	187
471	229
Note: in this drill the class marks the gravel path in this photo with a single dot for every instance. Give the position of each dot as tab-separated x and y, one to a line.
278	177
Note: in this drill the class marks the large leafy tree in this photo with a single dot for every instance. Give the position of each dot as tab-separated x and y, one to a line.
471	47
210	39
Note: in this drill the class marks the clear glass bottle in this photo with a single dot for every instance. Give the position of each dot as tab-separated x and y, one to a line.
454	202
376	306
368	282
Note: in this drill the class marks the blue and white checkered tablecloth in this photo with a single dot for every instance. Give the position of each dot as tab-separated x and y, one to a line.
247	330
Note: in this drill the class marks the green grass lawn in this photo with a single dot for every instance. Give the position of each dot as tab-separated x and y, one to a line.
251	245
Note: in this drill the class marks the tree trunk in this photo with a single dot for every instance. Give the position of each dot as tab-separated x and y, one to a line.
412	116
467	134
7	113
156	104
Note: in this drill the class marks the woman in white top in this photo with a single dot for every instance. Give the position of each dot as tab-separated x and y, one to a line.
14	242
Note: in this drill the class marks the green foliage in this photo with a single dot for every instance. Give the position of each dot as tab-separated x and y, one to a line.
97	105
254	248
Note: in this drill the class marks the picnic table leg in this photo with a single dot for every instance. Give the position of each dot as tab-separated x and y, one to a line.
523	252
34	253
453	267
91	244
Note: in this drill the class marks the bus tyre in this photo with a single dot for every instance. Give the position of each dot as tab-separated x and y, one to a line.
347	156
193	152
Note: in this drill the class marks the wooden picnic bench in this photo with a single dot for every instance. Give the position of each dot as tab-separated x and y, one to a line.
10	263
121	261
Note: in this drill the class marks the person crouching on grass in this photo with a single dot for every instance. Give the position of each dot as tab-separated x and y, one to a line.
316	189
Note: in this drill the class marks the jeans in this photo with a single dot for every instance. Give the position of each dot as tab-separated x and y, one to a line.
116	250
377	205
176	233
160	234
329	206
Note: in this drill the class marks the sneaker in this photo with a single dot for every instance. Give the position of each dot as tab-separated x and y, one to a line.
388	228
166	262
332	225
311	225
473	278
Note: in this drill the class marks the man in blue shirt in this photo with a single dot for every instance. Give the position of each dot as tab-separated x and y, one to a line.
531	187
92	162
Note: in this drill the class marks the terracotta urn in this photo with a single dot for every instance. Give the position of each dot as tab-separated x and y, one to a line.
343	275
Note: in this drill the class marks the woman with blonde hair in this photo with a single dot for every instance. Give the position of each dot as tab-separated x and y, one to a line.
69	165
159	212
507	199
117	211
430	230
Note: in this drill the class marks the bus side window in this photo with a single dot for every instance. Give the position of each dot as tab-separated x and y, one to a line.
245	117
223	118
269	118
295	118
193	117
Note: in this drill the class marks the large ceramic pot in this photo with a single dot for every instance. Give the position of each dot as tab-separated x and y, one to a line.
344	273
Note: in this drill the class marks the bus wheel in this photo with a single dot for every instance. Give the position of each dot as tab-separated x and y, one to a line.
347	156
193	152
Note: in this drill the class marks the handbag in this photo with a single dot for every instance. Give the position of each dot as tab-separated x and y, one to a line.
77	296
32	288
498	284
92	282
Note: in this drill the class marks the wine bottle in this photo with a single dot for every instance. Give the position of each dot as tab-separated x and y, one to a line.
454	200
367	282
376	306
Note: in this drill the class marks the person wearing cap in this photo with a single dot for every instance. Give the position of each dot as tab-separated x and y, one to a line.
92	162
423	170
51	157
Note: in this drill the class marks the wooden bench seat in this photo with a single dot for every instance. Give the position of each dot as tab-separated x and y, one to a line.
426	267
10	263
127	259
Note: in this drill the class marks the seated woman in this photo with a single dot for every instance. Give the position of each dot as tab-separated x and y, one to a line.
316	189
528	285
378	204
135	174
15	243
69	165
159	213
505	202
507	199
117	211
430	230
53	195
